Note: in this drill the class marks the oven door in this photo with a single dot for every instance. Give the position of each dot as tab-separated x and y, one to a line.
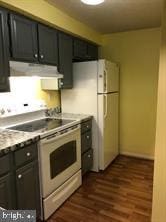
60	158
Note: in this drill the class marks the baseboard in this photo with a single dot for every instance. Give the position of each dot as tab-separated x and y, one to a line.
148	157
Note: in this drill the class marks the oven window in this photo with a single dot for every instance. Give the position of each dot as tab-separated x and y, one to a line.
62	158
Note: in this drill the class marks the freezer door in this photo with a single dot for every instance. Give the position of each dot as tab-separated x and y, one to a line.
108	77
108	115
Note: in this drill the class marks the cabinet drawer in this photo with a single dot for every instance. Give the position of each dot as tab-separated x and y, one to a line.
86	141
25	154
4	164
85	126
87	161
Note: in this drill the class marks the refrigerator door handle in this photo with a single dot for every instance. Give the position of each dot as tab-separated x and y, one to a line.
105	81
105	106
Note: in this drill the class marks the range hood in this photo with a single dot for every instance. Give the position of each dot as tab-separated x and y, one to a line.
50	78
30	69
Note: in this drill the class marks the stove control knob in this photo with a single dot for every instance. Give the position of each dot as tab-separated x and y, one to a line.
9	110
2	111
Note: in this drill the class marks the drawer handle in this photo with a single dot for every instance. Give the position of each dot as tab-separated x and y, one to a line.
89	156
28	154
19	176
88	137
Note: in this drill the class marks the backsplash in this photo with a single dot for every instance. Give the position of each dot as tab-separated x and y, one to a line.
26	89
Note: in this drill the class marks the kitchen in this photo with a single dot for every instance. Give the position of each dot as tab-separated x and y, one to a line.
119	54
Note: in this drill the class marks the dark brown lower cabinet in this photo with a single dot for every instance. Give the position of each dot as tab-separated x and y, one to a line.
87	161
86	146
19	183
27	187
6	200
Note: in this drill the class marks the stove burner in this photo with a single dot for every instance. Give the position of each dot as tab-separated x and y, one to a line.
42	125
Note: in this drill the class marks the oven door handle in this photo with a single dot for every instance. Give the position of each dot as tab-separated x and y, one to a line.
54	138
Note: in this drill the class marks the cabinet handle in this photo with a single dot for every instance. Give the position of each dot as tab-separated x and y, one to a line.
88	56
87	126
28	154
88	137
36	55
61	83
89	156
41	56
19	176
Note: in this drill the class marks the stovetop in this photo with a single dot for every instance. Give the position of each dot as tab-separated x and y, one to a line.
42	125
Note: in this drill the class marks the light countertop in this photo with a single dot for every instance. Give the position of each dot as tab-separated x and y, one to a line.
11	140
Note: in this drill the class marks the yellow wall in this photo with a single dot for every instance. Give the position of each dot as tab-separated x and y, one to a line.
45	12
51	97
138	55
159	190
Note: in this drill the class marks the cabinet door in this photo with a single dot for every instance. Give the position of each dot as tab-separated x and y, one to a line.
23	39
27	186
80	50
65	60
6	192
4	53
92	52
48	49
87	161
86	141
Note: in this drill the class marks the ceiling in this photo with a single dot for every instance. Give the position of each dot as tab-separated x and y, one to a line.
114	15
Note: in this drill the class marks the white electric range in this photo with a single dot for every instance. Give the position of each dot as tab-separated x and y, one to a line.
59	152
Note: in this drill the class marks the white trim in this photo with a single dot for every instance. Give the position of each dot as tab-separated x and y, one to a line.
144	156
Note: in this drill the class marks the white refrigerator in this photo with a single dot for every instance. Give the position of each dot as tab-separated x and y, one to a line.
96	92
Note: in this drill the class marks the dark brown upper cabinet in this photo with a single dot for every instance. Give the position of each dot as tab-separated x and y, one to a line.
65	66
24	45
92	52
84	51
48	48
4	52
79	49
32	42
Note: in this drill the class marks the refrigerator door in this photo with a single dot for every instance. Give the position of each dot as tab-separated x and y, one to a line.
108	116
108	76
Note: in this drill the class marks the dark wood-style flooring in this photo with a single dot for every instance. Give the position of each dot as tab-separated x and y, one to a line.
122	193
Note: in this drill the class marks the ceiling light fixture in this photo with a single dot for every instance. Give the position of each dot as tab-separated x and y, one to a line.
92	2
